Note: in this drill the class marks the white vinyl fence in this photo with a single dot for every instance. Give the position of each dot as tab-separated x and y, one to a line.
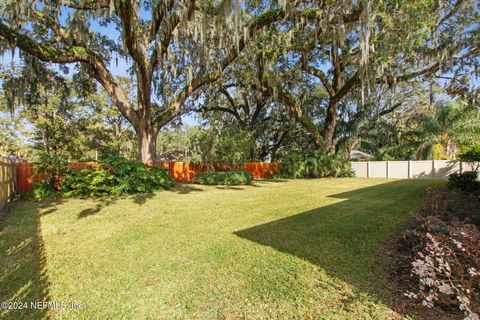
421	169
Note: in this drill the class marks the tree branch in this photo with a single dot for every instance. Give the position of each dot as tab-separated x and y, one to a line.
86	4
345	89
390	110
226	110
134	34
304	120
167	27
158	15
322	76
45	53
228	96
451	13
72	54
50	23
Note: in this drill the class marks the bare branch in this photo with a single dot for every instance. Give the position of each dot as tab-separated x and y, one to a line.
451	13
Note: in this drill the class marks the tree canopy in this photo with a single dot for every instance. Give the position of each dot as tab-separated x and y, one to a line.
173	47
333	68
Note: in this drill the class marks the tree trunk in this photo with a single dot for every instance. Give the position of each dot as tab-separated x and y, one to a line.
252	154
330	124
305	121
147	144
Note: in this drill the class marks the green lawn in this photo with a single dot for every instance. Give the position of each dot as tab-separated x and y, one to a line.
274	250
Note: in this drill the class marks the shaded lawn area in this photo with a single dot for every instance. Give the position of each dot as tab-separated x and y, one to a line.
292	249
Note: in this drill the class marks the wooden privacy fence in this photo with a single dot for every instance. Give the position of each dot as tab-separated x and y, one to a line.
179	171
7	181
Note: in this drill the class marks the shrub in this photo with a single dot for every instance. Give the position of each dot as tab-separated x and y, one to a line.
315	164
230	178
43	190
466	181
116	176
53	168
471	155
451	205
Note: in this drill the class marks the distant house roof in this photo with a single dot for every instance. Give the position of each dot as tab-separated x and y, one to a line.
174	155
359	155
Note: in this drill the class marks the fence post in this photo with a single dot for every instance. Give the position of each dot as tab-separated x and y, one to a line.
388	168
368	169
409	169
433	169
461	167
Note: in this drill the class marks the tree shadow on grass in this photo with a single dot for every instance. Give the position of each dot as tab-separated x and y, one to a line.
23	276
101	203
184	188
142	198
272	180
238	188
347	238
49	206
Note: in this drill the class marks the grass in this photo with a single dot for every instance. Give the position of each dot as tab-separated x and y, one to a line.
309	249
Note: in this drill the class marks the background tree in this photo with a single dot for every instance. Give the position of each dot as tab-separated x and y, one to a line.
65	120
12	137
240	99
229	146
108	134
361	47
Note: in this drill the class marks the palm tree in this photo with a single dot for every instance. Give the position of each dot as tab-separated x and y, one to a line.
441	133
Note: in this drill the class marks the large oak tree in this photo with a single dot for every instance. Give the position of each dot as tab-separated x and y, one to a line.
173	47
386	43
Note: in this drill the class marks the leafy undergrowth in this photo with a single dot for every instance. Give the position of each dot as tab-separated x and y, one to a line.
306	249
112	177
224	178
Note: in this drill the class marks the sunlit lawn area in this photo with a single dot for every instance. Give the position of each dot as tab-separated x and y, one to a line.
286	250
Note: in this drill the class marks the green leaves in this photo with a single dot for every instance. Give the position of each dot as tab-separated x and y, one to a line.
230	146
230	178
114	176
315	164
471	155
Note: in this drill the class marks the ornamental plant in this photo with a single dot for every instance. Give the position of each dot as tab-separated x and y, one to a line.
114	176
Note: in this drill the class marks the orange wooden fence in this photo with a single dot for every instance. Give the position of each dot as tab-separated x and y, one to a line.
180	171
